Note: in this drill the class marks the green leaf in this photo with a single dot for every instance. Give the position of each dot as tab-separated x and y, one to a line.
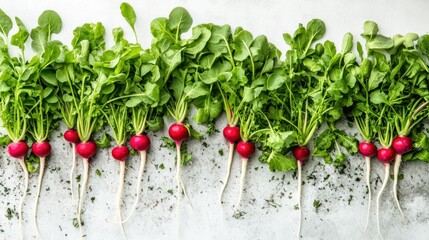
280	163
380	42
50	21
279	141
49	77
378	97
198	89
40	38
241	44
370	29
316	29
128	13
375	79
275	81
200	37
5	23
103	141
179	20
19	38
423	44
347	43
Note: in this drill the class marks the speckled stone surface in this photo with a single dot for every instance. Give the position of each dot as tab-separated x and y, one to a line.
269	200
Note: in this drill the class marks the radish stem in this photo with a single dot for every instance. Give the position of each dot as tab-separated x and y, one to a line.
368	185
24	168
228	173
72	171
120	191
386	178
82	193
39	186
242	178
139	180
299	199
396	167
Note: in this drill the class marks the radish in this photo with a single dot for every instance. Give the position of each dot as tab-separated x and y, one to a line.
402	145
86	150
120	153
385	155
232	135
368	150
300	153
140	143
72	137
19	150
246	149
41	150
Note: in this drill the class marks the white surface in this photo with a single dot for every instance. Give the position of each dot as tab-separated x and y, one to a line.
156	216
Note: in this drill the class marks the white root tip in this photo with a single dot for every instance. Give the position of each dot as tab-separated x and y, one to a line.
25	170
242	179
396	167
39	186
298	235
119	198
386	179
82	193
72	172
228	171
368	185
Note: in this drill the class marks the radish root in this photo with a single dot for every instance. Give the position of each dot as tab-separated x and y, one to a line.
242	178
120	191
228	173
386	178
24	168
368	185
82	193
72	172
396	167
39	186
178	194
179	177
139	180
299	199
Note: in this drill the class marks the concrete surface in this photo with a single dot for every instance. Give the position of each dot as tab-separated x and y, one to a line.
269	198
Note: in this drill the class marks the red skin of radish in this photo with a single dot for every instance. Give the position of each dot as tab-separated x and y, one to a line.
17	149
245	149
41	149
231	133
178	132
402	144
301	153
120	153
72	136
386	155
367	149
140	142
86	149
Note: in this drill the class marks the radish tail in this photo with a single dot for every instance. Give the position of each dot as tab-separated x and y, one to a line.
242	178
120	191
368	185
39	186
72	171
396	167
139	180
178	194
225	182
299	199
179	177
386	178
24	168
82	193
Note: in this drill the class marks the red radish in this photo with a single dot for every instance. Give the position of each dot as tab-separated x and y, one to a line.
120	153
402	145
300	153
139	143
40	149
72	136
86	149
368	150
19	150
386	155
178	132
246	150
232	135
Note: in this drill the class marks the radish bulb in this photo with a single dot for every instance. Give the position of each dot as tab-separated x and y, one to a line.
246	150
232	135
386	156
41	150
402	145
368	150
300	153
19	150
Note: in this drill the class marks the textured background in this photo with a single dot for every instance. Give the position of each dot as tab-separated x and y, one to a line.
269	198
